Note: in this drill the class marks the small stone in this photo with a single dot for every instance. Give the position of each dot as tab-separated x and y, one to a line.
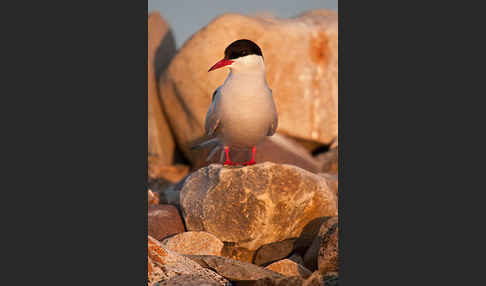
310	257
288	267
164	220
195	243
187	280
274	251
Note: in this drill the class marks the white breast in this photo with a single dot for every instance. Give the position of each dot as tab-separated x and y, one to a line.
246	110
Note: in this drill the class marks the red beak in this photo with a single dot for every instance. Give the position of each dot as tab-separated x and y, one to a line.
220	64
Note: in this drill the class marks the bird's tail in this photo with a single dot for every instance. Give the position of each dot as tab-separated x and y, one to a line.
205	143
215	149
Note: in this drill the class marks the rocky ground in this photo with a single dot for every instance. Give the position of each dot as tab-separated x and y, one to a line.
273	223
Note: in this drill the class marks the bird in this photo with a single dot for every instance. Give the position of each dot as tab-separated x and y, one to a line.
242	112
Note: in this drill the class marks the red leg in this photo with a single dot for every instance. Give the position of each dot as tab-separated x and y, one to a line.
252	161
228	162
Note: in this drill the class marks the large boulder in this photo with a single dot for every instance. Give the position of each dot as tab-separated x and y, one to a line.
194	242
301	56
163	221
249	207
161	48
164	265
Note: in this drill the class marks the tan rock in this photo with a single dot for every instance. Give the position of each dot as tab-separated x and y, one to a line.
332	181
195	243
310	257
288	267
164	265
188	280
164	220
160	140
304	82
233	270
327	259
273	251
249	207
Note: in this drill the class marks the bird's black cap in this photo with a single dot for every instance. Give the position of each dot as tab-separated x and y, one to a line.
241	48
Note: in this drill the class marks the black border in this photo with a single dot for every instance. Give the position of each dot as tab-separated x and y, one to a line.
80	166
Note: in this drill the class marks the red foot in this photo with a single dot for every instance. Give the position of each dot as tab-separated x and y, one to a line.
251	162
229	163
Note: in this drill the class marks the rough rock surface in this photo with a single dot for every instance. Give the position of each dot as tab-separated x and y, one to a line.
273	251
268	281
332	181
329	161
327	259
315	279
233	270
187	280
305	90
288	267
310	257
160	140
164	264
194	242
164	220
248	207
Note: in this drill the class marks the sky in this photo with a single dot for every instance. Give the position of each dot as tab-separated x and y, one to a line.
188	16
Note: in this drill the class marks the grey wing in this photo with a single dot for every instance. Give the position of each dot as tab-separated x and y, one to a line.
274	121
213	117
